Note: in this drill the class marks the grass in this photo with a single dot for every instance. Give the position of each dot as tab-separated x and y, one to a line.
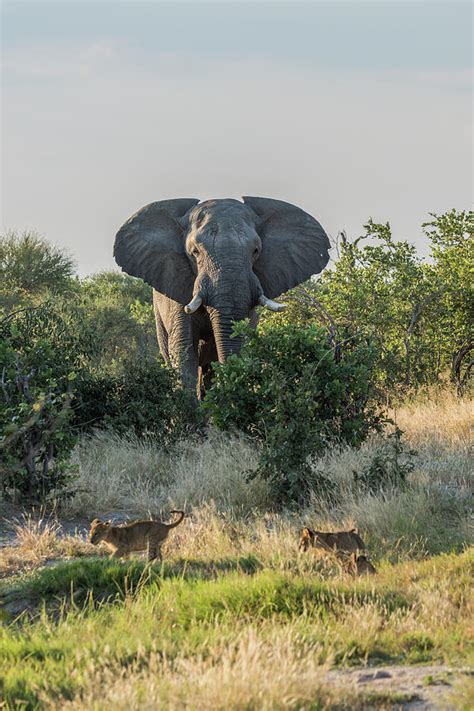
430	515
235	617
171	619
117	473
37	540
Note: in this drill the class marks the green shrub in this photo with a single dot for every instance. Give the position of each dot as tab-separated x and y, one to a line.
389	466
51	390
139	395
31	264
41	351
288	391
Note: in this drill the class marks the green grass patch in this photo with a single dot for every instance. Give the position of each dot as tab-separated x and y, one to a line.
178	609
100	579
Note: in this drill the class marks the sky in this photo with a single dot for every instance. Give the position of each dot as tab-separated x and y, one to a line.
348	109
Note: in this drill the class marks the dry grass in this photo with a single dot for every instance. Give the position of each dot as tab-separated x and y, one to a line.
37	540
240	641
438	420
136	478
228	515
249	673
209	634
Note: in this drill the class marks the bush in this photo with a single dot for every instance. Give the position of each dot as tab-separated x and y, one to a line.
288	391
389	466
31	264
50	391
41	351
141	396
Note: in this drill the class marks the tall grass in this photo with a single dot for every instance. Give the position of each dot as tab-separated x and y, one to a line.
210	478
38	538
234	640
137	476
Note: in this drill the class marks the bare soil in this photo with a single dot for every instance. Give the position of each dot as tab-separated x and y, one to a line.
419	687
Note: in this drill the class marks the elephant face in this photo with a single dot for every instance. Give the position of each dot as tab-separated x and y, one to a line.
224	255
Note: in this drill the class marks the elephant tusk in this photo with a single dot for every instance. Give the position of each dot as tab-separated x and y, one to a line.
270	304
194	304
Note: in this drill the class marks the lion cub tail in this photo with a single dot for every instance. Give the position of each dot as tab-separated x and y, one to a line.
178	521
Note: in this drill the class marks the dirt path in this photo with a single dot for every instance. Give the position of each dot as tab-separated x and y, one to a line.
419	687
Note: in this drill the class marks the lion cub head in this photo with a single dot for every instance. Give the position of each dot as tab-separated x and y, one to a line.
360	565
99	531
333	542
306	540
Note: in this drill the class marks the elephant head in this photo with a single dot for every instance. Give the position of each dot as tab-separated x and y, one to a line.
225	256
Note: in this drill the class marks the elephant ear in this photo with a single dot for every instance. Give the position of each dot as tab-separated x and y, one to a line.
294	245
150	245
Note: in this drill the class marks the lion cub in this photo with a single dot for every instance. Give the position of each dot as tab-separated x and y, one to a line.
135	536
332	542
359	565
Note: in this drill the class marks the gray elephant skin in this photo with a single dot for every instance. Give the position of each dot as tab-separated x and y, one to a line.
210	264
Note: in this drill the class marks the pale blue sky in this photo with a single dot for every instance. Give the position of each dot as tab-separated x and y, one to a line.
349	109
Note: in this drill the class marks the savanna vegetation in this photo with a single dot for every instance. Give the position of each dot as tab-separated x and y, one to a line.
351	408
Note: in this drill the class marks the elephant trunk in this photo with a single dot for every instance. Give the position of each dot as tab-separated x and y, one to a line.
222	326
228	296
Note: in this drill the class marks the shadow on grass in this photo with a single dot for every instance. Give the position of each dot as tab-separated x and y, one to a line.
99	579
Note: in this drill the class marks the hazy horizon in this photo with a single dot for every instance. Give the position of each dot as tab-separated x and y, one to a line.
350	110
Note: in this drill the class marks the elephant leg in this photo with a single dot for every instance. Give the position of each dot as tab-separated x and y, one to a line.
206	371
161	332
176	338
162	338
207	354
183	351
200	391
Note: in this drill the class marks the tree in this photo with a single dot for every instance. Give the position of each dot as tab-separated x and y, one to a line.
418	312
452	271
121	308
42	349
30	263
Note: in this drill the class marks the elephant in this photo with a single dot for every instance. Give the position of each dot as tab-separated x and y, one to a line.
211	264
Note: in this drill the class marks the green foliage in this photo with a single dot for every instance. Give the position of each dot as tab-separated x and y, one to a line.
452	273
288	391
41	350
136	395
121	309
97	578
51	389
389	465
418	312
81	354
31	264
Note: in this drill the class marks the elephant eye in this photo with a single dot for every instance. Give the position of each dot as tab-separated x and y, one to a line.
255	252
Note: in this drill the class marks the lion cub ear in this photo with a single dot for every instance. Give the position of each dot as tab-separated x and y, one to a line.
108	523
95	522
308	533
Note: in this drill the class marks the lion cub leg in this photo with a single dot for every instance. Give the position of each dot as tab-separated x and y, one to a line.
154	550
119	553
